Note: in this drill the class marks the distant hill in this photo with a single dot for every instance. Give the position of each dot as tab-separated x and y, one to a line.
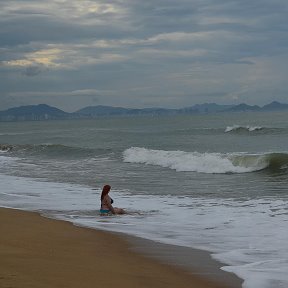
101	111
207	108
95	111
46	112
244	107
33	113
273	106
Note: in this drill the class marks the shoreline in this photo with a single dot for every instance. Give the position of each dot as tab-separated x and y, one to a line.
36	251
195	261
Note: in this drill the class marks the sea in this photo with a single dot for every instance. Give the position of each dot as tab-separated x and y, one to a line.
215	182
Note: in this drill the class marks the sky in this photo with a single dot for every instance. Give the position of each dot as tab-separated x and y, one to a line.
142	53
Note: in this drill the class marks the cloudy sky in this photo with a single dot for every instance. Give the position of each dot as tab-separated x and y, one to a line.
142	53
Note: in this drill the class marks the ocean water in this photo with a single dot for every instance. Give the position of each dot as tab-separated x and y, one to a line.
216	182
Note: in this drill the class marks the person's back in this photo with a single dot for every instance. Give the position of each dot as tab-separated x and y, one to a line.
106	203
105	207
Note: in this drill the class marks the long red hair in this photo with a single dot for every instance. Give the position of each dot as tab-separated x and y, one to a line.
105	191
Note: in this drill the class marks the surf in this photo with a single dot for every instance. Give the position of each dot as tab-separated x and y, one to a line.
209	163
248	128
51	150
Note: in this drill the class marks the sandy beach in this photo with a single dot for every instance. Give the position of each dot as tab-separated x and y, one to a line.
40	252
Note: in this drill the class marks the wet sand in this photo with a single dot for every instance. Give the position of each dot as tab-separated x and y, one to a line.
197	262
40	252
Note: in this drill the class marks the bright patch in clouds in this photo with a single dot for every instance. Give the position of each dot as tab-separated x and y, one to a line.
47	57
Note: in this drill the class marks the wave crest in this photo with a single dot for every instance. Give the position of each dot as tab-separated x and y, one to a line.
238	128
211	163
51	150
5	147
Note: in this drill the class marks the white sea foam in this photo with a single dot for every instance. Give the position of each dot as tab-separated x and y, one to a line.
244	128
249	236
4	160
196	162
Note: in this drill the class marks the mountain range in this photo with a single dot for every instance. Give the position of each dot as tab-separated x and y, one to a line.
46	112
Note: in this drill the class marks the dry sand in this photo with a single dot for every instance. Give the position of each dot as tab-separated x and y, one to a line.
37	252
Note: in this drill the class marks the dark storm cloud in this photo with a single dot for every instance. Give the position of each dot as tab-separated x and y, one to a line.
141	53
23	29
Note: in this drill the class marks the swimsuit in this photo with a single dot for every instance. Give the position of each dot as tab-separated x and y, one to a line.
105	211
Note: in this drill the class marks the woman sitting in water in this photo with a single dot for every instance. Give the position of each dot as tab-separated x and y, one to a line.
106	203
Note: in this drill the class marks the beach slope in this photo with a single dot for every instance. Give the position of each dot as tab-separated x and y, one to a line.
40	252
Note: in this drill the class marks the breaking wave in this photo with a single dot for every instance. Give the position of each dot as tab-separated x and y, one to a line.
50	150
248	128
210	163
